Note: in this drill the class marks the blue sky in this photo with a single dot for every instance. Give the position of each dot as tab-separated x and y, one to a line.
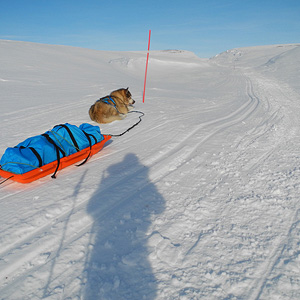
206	27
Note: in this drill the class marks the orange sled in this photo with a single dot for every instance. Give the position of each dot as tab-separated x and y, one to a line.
51	167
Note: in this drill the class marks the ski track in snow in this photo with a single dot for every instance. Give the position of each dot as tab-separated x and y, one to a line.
200	201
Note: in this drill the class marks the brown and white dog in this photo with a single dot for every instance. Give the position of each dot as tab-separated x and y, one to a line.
113	107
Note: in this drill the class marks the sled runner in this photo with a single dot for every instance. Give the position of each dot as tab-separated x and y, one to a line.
52	151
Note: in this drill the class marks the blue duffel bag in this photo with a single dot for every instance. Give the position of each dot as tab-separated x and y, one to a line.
63	140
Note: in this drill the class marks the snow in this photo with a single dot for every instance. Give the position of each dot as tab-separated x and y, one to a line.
199	201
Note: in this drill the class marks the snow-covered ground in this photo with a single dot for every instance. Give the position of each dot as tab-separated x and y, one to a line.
200	201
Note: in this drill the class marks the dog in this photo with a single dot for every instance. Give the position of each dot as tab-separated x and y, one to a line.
113	107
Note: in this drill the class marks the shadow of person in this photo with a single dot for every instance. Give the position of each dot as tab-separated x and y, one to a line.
122	208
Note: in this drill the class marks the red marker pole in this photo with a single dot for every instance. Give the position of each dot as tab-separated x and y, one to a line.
146	66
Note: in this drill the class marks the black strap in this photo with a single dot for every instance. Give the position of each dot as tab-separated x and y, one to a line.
90	143
36	154
89	139
46	135
58	149
71	135
89	134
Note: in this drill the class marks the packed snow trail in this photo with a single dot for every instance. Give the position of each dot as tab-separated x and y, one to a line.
200	201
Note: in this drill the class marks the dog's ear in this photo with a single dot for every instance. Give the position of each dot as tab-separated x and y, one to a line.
128	94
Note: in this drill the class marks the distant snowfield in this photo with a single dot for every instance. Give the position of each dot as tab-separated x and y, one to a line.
200	201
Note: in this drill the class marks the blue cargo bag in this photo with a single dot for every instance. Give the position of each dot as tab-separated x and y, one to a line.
63	140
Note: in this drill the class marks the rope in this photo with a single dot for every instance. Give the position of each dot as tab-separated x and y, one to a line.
6	179
58	140
140	119
19	163
54	133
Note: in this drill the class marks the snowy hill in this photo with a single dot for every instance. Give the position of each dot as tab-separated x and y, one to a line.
281	61
199	201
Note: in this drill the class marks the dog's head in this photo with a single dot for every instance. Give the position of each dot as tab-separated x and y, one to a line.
125	95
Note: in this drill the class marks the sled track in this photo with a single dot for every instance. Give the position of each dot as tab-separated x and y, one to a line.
184	150
261	130
288	120
31	113
269	265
